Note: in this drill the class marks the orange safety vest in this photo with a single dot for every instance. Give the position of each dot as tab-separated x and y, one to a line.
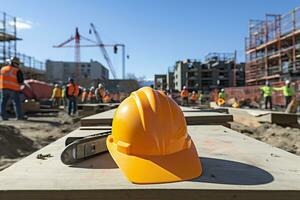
73	90
8	78
102	92
194	97
84	96
106	98
184	93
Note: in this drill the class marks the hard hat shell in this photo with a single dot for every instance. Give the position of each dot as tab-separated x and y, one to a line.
100	85
184	87
149	140
220	101
287	82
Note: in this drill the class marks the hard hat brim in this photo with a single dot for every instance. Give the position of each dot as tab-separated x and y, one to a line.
179	166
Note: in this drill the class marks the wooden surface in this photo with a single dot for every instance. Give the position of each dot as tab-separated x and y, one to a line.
198	109
100	119
95	128
86	110
192	118
207	118
235	167
95	106
268	116
279	118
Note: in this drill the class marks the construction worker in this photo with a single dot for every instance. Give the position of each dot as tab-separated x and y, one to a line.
107	97
267	92
221	97
100	93
63	97
115	97
84	96
184	96
72	92
152	146
194	97
222	94
200	97
288	92
11	79
56	96
91	96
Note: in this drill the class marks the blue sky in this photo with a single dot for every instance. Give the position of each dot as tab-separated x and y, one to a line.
156	32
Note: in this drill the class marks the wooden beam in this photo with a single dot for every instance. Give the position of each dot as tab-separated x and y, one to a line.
234	167
192	118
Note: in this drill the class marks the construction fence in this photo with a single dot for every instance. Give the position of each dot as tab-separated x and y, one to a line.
254	93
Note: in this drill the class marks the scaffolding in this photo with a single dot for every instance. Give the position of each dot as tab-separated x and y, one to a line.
273	48
8	43
8	37
214	56
30	62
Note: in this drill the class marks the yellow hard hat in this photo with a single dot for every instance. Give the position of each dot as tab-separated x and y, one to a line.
220	101
149	140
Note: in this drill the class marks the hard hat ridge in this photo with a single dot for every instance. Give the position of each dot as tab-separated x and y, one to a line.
149	140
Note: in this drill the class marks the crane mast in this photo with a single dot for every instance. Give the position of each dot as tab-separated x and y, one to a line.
103	50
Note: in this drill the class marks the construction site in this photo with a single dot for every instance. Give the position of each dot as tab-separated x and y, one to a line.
272	48
212	127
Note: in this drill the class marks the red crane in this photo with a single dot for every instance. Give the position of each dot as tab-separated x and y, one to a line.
77	38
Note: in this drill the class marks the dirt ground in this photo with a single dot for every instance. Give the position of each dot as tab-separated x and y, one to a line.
285	138
20	138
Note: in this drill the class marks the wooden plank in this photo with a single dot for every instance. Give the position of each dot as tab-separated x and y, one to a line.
195	109
202	118
243	117
235	167
87	128
100	119
267	116
97	106
86	110
192	118
279	118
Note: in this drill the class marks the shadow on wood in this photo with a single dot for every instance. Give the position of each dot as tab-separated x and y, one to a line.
102	161
230	172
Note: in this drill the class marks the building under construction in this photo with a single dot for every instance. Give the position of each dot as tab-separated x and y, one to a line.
31	67
273	48
8	37
219	70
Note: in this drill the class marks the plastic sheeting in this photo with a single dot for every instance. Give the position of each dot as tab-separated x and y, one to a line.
37	90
